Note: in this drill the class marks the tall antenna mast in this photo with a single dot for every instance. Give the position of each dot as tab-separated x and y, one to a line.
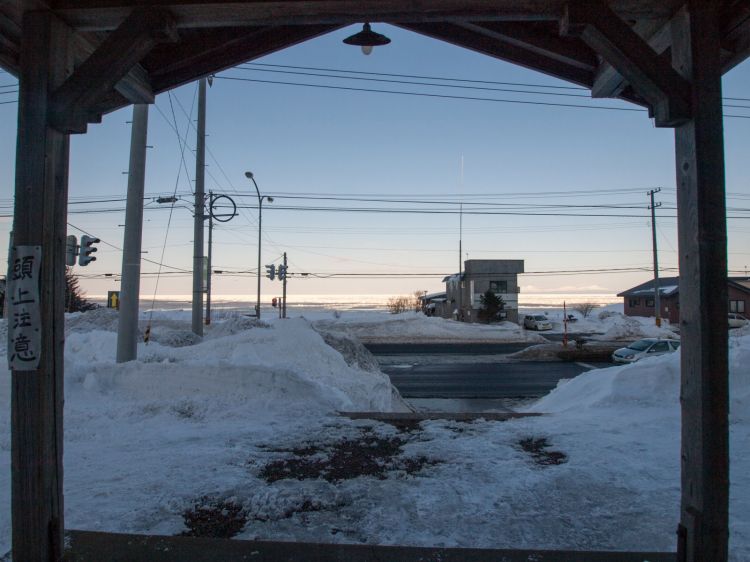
460	241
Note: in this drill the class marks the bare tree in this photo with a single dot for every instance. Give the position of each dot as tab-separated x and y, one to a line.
585	308
397	305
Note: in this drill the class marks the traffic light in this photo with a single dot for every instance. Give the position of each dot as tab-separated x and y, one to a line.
71	250
271	272
282	272
87	248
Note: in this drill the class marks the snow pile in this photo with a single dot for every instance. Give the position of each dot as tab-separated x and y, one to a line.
617	326
278	367
652	382
416	327
96	319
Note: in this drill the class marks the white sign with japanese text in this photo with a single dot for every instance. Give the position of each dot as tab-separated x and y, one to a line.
24	318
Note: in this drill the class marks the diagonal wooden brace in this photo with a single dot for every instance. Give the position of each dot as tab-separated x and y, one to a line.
75	101
651	76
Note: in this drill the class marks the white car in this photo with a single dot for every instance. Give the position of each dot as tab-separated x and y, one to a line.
649	347
737	320
536	322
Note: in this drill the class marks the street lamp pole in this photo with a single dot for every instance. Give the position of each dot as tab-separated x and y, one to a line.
249	175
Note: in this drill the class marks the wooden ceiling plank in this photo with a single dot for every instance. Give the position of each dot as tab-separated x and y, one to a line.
98	15
108	65
234	51
552	46
650	75
462	37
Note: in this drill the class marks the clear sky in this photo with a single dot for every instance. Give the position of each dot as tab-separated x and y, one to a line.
304	141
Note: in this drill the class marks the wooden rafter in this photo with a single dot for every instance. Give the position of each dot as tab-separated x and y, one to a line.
650	75
205	53
609	83
109	64
569	51
513	53
736	37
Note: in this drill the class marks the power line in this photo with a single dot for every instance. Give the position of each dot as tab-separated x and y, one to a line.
79	229
406	82
424	94
419	77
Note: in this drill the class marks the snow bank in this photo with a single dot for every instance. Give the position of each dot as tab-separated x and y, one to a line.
279	367
416	327
652	382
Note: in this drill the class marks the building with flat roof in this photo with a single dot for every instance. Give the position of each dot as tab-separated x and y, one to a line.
463	292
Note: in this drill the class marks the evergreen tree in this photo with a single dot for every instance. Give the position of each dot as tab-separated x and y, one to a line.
75	299
491	305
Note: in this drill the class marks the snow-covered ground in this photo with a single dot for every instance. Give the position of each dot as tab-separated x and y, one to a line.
416	327
208	418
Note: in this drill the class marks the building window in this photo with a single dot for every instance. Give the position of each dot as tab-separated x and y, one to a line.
499	286
632	303
737	306
650	303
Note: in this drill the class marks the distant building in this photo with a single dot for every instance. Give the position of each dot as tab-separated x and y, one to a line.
433	304
463	293
640	300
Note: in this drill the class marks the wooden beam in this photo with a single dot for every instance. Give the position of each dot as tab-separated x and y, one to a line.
651	76
608	82
40	221
109	64
206	52
10	42
107	14
569	51
135	86
462	37
736	38
704	395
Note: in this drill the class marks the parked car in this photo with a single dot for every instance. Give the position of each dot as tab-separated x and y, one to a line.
649	347
737	320
536	322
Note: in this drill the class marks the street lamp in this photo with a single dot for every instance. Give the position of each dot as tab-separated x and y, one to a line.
249	175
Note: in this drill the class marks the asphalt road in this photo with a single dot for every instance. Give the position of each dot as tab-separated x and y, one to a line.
458	348
480	380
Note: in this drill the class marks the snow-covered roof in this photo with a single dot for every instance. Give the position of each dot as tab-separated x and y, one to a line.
668	286
434	296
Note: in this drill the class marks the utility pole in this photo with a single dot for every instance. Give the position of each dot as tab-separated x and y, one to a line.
127	324
283	298
210	254
657	300
200	170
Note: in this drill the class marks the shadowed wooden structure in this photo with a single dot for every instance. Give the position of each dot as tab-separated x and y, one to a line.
79	59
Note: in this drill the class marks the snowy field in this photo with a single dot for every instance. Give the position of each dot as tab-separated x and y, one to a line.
245	420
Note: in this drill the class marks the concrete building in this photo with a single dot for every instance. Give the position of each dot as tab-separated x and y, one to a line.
639	300
463	291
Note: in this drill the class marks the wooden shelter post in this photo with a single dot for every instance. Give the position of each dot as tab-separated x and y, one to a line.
40	221
699	151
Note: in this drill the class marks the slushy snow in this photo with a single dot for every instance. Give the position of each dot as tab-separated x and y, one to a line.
193	418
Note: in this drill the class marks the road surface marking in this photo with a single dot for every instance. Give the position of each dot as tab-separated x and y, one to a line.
586	365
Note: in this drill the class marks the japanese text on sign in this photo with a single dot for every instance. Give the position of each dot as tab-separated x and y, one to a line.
24	321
